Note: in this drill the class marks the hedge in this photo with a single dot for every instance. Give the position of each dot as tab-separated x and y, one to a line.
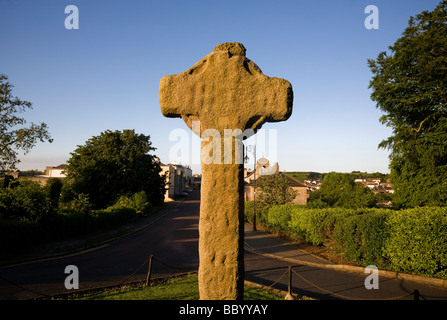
361	237
410	240
24	235
418	241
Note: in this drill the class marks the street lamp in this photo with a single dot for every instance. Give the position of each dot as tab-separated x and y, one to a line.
252	149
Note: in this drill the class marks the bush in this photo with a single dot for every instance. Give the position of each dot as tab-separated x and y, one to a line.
137	202
23	235
261	213
53	188
278	218
316	225
361	237
418	239
81	204
113	217
18	235
248	211
27	200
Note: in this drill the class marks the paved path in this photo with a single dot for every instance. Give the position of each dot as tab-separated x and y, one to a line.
316	277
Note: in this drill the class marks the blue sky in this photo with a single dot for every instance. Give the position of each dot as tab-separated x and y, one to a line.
105	75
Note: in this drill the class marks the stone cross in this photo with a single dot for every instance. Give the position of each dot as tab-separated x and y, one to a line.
223	91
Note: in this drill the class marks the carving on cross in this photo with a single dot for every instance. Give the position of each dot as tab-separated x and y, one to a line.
223	91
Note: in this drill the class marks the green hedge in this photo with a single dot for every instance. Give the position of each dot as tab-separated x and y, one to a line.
418	241
411	240
361	237
24	235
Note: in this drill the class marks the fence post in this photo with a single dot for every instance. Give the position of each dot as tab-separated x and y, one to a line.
149	270
416	294
289	289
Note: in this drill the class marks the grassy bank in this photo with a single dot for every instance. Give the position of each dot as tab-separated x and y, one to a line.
182	288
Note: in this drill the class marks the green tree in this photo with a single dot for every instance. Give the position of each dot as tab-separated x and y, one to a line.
14	134
273	190
410	86
340	190
111	165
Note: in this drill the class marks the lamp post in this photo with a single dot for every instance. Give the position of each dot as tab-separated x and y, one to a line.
252	149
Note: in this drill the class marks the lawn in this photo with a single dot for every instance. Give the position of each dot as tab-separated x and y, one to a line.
183	288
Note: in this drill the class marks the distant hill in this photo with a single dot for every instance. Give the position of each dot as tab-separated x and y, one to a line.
301	176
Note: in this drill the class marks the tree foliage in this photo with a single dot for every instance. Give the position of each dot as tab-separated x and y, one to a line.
14	134
24	200
111	165
340	190
273	190
410	87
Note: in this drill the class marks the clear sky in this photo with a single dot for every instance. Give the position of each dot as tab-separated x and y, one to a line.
106	74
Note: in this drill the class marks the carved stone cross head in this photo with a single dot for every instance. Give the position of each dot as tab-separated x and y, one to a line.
225	90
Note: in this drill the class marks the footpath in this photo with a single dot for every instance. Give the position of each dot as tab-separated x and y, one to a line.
266	244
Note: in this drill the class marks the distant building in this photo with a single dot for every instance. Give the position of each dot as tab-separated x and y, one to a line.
263	168
50	172
56	172
178	179
375	185
301	191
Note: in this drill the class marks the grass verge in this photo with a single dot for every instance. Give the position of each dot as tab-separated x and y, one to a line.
181	288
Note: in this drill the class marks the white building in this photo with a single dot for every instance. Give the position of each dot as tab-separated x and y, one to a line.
56	172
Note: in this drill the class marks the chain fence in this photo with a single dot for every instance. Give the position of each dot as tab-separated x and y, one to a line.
290	271
123	283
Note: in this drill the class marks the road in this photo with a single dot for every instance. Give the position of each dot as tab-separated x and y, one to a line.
173	242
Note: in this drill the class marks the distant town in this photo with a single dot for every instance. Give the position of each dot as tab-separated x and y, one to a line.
180	180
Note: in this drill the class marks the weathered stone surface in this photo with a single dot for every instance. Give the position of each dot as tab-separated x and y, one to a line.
221	232
224	90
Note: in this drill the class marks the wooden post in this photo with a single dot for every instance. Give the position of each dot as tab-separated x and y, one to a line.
289	290
416	294
149	270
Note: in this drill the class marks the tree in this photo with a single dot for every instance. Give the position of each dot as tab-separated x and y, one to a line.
114	164
410	87
274	189
340	190
14	135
